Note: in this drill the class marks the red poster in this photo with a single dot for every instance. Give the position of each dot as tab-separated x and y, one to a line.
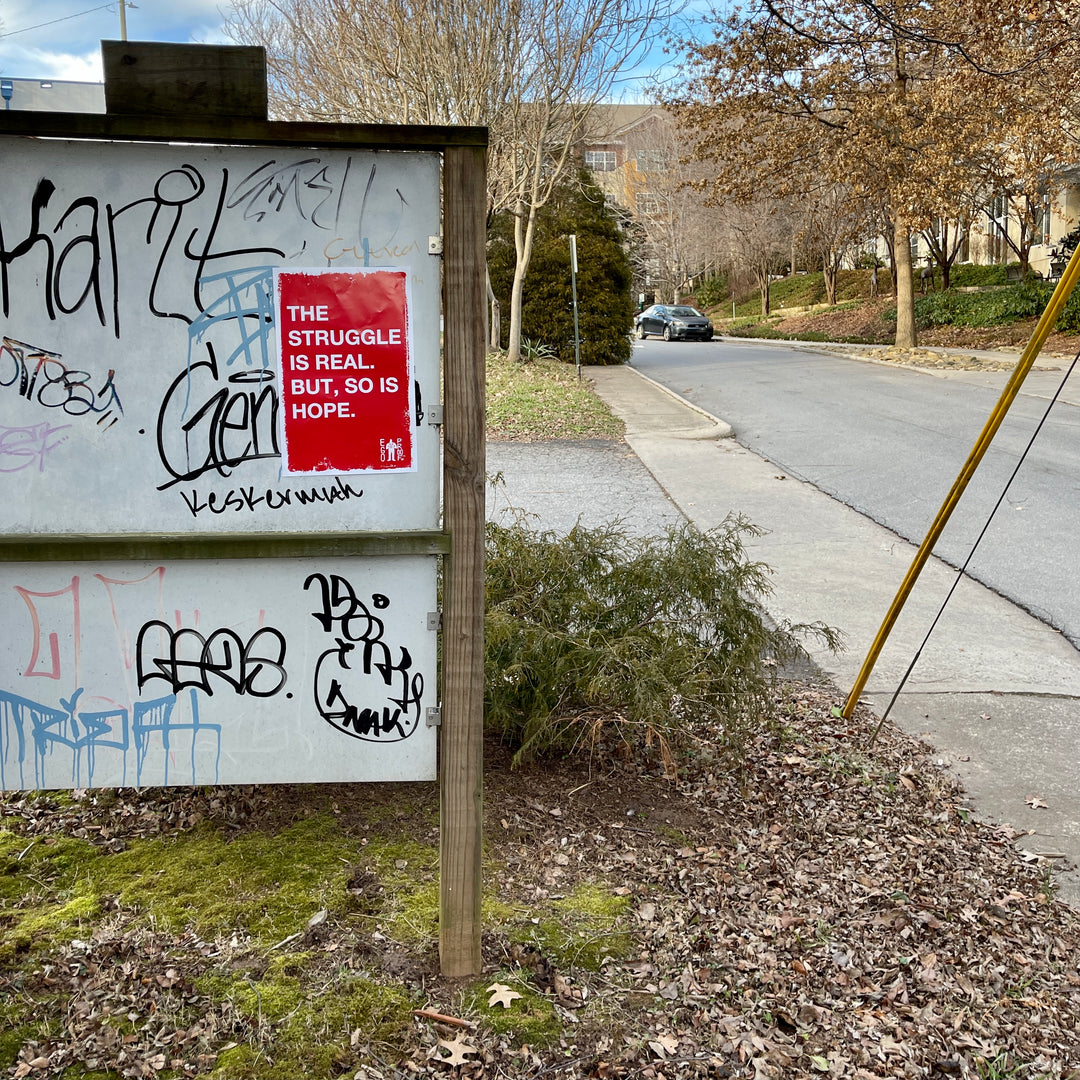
346	370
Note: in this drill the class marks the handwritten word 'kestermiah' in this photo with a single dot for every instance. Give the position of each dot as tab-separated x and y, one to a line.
245	498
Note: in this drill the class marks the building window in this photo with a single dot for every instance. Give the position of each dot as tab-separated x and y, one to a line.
1041	233
651	161
600	160
648	204
998	231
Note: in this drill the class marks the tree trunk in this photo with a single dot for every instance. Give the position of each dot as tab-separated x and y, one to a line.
890	244
830	272
906	337
524	229
495	323
762	279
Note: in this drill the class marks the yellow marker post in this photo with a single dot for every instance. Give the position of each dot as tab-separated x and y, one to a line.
1042	330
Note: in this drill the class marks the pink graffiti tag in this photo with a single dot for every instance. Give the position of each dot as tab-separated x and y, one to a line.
53	668
23	447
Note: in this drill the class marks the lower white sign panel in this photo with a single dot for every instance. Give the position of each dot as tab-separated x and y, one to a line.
216	672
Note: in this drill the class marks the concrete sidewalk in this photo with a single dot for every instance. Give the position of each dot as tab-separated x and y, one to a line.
995	691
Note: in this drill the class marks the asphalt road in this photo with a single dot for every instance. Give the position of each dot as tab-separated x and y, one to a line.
889	442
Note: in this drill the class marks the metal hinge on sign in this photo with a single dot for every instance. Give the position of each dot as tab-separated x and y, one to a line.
434	716
434	245
434	620
434	415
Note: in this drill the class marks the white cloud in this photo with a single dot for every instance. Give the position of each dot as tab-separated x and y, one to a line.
43	64
60	39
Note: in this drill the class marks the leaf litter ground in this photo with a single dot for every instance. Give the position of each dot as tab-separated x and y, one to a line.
827	910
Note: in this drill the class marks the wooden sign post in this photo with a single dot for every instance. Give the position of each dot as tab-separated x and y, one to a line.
220	437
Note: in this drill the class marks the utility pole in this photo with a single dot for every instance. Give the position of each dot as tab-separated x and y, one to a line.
123	19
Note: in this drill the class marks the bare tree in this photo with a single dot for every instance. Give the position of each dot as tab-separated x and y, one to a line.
529	70
759	242
683	234
832	221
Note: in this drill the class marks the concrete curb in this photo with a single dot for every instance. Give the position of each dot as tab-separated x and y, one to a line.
721	429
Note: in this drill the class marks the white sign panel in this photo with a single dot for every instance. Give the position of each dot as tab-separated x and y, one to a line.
140	382
216	672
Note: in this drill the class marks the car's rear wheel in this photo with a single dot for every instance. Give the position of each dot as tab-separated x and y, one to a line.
667	333
641	333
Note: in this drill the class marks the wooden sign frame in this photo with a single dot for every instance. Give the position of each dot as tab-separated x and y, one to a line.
231	74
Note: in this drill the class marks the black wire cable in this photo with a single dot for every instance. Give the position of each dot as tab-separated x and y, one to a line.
978	540
53	22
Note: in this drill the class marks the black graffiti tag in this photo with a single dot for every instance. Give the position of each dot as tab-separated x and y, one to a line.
360	669
187	658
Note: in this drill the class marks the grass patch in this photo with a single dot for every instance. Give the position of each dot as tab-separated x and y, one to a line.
544	400
797	291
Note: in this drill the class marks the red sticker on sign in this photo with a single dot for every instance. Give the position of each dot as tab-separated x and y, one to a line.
346	370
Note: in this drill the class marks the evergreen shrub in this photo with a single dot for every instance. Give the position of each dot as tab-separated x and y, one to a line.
661	640
992	308
712	291
604	278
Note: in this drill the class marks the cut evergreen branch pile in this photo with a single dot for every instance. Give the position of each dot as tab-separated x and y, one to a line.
649	634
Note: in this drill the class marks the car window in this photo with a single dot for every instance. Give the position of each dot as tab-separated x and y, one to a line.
685	311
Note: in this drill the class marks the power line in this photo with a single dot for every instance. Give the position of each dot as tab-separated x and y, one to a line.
978	540
53	22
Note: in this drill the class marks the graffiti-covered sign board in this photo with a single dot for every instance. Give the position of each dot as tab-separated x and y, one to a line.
208	672
199	342
346	373
141	383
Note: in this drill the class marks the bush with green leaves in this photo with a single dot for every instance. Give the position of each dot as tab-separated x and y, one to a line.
1068	322
605	306
994	307
712	291
662	640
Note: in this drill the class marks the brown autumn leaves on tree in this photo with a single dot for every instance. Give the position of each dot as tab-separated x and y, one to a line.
907	105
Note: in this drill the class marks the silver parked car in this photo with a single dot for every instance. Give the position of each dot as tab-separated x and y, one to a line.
673	321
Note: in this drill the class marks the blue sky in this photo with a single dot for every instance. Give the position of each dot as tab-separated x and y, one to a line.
59	39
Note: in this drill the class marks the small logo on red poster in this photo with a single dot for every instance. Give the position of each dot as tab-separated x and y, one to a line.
346	370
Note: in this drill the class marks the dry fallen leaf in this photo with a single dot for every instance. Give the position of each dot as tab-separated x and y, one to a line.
501	995
1037	803
459	1051
664	1045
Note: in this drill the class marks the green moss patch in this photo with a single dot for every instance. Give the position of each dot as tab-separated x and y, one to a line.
529	1019
302	1030
579	930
